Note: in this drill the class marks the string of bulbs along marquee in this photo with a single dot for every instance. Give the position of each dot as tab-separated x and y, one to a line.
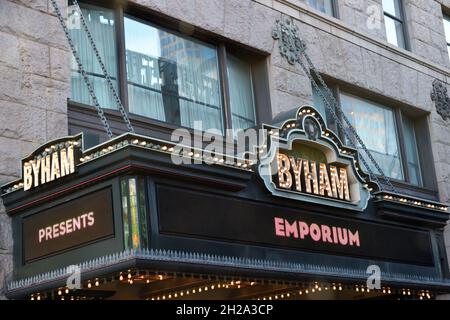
294	291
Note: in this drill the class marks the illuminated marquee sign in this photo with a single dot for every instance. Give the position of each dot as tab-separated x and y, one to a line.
68	225
306	161
51	162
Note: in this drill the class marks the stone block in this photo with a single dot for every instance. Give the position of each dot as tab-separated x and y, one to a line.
9	54
57	125
60	64
22	122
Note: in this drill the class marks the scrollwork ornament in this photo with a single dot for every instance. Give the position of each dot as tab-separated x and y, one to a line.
441	100
290	45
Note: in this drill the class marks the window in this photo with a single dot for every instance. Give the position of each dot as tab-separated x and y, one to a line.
241	93
388	133
447	32
375	124
167	76
101	23
326	6
393	19
171	78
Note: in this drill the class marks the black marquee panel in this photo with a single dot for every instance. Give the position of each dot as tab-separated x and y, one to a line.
204	215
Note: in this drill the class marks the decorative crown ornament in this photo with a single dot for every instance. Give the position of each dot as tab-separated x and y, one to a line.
290	45
441	100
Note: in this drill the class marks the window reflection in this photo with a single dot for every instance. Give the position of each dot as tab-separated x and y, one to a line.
447	32
393	20
171	78
101	24
326	6
375	125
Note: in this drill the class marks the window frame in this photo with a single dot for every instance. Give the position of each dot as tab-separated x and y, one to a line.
446	17
400	19
428	186
334	9
146	125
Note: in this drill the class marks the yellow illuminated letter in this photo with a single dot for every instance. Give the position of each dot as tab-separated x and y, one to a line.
67	161
27	176
284	176
297	167
339	183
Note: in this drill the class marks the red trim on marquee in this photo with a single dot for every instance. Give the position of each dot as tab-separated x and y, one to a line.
70	188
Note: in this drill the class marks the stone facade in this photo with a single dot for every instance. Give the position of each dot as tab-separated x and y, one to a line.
352	48
35	84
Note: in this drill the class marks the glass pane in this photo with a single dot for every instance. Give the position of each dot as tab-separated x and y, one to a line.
412	155
394	32
125	213
101	25
326	6
448	50
376	127
143	214
392	7
319	104
171	78
134	214
241	93
447	28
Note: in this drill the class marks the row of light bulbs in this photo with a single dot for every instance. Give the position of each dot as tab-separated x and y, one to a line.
415	202
199	289
237	284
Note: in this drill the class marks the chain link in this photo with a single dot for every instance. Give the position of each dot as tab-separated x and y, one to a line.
335	106
105	72
100	112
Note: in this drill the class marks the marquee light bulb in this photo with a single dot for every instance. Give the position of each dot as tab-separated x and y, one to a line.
59	292
97	283
67	290
129	275
89	285
121	277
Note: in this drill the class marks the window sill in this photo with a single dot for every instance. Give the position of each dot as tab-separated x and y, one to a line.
407	188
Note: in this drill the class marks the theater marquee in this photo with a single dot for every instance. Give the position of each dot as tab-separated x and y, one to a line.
52	161
306	161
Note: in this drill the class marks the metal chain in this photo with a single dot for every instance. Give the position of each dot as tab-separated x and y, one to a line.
100	112
105	72
336	107
316	86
